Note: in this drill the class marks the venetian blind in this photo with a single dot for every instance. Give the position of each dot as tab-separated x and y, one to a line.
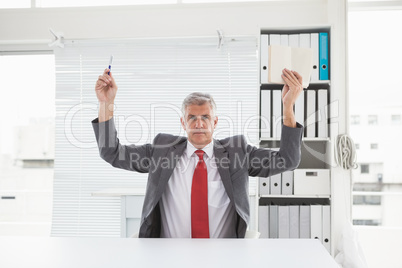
153	77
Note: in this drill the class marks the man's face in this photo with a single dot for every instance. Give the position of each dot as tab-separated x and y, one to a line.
199	124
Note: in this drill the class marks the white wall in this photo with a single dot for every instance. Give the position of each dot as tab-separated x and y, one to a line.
159	21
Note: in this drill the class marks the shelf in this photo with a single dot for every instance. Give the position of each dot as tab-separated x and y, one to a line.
295	30
320	82
319	85
313	151
315	139
325	84
295	196
289	200
303	139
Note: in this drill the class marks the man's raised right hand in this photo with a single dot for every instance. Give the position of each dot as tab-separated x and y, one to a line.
106	88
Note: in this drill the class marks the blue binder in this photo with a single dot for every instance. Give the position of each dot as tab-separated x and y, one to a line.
324	56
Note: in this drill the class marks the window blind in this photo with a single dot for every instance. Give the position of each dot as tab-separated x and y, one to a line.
153	77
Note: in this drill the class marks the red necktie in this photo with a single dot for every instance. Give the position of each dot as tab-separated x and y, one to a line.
199	199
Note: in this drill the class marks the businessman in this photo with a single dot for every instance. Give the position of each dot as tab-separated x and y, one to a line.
197	186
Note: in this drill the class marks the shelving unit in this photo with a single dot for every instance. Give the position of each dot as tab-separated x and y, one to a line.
315	151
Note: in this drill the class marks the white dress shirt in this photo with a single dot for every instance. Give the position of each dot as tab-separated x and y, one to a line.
175	204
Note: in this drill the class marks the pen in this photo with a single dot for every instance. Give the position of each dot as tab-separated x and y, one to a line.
110	64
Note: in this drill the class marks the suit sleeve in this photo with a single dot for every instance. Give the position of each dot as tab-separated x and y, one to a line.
130	157
265	162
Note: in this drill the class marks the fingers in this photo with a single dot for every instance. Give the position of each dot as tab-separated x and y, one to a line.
298	76
114	85
104	79
289	77
285	90
101	83
288	82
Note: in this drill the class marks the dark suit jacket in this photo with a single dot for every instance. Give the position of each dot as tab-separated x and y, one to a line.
236	161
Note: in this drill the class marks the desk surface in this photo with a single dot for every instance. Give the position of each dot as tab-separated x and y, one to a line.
128	252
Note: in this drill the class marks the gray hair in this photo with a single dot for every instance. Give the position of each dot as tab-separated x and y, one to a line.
198	98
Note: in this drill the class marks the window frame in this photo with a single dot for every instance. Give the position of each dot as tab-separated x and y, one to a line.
29	49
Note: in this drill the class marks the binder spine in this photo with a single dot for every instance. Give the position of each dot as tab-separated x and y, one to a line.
264	59
265	123
315	47
263	221
324	56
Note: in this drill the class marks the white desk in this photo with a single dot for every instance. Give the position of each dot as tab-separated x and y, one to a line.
130	252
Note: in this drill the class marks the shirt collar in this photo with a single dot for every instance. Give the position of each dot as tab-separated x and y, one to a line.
208	149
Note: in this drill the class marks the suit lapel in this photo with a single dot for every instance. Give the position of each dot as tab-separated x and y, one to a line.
222	162
169	163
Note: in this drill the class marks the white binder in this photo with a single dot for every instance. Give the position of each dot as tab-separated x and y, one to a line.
293	40
276	113
294	222
275	187
264	58
284	40
283	222
263	221
287	183
322	96
264	186
316	68
305	40
313	182
273	221
275	39
265	113
299	108
310	114
304	222
326	227
316	222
